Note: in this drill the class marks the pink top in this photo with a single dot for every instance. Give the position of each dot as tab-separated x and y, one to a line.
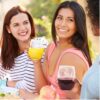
53	79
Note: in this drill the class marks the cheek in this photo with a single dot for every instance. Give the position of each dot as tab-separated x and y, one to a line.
74	28
13	29
29	27
56	23
13	32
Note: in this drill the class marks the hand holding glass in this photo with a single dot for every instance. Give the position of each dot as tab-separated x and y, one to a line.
37	46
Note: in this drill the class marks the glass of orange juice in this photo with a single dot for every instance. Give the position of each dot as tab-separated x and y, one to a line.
37	47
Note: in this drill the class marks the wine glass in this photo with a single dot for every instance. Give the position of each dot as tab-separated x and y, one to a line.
66	77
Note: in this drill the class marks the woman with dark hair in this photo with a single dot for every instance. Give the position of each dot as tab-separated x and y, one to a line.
69	48
18	30
91	80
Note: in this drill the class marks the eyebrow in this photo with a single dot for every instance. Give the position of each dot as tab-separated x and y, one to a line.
23	21
26	20
67	17
71	17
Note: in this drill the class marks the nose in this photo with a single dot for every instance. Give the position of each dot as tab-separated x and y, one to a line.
64	23
22	27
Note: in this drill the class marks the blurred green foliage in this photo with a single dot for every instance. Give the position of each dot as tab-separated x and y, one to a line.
41	8
92	53
42	12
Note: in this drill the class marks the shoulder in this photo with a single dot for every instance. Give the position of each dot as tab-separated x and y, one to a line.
76	57
75	60
50	48
91	82
72	58
94	70
52	44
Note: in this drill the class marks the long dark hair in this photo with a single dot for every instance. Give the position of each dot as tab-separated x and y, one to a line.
79	39
10	48
93	11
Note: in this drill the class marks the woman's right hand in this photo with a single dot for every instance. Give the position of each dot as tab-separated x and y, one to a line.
74	93
11	83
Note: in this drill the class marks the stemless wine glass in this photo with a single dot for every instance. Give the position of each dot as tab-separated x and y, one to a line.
66	77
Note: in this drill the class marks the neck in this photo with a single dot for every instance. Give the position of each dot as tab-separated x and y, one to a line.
64	44
24	45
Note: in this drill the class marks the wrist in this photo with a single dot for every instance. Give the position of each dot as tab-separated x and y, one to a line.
37	61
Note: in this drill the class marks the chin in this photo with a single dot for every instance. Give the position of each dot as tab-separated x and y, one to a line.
24	40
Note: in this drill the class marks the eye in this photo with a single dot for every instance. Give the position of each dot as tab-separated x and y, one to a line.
15	25
70	20
26	22
59	18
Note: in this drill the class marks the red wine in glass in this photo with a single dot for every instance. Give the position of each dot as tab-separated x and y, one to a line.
66	77
66	84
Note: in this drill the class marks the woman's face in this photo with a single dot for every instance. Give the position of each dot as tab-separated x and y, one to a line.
65	23
20	27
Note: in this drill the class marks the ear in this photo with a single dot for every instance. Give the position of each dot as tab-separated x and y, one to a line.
8	29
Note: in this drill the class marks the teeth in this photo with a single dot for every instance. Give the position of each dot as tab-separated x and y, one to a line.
62	30
24	33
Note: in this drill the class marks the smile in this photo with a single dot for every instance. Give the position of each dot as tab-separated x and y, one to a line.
63	30
23	33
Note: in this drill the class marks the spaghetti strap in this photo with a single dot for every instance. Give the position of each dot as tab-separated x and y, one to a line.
76	52
50	50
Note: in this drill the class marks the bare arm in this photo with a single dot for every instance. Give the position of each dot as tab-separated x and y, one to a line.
40	72
80	67
39	75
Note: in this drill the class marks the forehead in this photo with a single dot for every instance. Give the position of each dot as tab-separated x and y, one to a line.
66	12
19	18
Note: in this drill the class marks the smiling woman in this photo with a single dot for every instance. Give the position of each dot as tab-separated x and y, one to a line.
18	29
69	48
65	23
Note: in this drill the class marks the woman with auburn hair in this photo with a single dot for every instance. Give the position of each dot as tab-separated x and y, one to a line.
16	66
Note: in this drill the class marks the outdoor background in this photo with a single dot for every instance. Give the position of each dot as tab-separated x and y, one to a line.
42	12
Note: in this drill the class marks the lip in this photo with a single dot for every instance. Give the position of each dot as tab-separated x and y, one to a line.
63	30
23	33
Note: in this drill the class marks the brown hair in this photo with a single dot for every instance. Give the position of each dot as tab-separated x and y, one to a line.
79	39
10	48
